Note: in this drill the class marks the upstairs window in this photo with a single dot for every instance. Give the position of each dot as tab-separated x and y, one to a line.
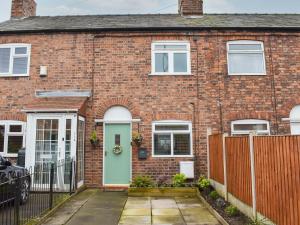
14	59
246	58
245	127
172	139
11	137
171	58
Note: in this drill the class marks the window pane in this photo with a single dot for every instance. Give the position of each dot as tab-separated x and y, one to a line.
248	47
161	62
21	50
171	127
15	128
180	62
4	60
20	65
182	144
246	63
15	143
171	47
254	127
2	133
162	144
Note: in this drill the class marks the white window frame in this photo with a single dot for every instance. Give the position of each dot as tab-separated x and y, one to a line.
172	122
171	57
7	124
250	121
243	42
13	55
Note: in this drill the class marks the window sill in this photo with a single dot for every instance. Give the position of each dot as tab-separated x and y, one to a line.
172	156
247	74
170	74
9	75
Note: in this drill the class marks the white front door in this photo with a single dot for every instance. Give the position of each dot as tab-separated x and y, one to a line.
51	138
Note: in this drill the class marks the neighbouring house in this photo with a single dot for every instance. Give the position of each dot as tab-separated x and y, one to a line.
170	77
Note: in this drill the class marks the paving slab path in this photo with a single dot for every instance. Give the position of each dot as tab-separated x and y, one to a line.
167	211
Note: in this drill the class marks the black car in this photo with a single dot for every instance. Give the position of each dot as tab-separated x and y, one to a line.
8	181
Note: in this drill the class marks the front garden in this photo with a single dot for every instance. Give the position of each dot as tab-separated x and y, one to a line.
179	185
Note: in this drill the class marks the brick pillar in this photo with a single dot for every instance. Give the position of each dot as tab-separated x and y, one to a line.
23	8
190	7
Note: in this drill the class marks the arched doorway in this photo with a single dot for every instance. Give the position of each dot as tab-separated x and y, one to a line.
117	147
295	120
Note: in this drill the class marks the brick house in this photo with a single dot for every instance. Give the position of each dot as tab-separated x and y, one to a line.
169	77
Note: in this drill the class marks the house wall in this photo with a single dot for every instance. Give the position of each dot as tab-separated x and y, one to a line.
116	66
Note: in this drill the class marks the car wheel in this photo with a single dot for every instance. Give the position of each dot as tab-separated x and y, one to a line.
25	188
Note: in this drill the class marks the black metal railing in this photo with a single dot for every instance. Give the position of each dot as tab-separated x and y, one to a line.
25	197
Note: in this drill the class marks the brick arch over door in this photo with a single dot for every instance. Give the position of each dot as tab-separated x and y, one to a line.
118	102
287	108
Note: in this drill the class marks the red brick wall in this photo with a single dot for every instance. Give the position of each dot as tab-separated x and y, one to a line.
121	64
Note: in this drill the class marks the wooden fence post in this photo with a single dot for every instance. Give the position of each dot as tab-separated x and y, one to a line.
209	132
225	166
252	163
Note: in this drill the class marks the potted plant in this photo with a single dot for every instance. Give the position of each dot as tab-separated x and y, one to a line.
137	139
94	139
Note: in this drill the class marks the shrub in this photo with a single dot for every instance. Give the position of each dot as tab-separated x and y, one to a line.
142	181
231	211
178	180
203	183
214	195
163	181
258	222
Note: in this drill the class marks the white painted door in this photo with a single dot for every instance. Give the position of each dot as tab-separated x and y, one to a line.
295	128
51	138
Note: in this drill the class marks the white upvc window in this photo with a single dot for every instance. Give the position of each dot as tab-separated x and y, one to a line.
246	58
172	139
245	127
171	58
14	60
12	137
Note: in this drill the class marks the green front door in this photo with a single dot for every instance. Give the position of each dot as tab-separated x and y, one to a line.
117	165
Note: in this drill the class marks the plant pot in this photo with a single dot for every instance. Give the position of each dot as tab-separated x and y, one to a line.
95	143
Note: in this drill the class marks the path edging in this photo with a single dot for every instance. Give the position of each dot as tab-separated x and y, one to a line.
211	209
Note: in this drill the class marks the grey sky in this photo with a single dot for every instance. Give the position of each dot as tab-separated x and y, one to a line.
68	7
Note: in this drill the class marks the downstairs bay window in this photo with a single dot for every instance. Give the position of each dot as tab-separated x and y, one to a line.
171	139
11	137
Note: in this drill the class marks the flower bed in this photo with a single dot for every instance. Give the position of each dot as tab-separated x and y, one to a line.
222	208
232	216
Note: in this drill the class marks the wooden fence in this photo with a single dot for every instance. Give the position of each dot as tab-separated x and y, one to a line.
216	155
238	168
262	172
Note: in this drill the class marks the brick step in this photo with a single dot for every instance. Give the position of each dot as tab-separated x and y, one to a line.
115	189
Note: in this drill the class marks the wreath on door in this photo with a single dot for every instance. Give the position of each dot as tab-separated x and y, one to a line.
117	150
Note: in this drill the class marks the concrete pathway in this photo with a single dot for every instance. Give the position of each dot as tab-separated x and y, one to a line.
91	207
167	211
